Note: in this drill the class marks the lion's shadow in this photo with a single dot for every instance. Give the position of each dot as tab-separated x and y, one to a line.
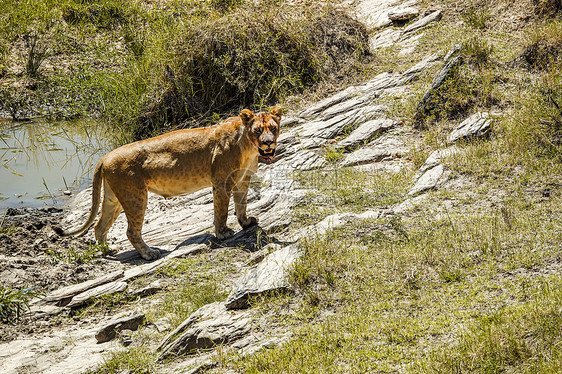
249	240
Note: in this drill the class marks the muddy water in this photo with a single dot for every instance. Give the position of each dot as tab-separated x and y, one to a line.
41	162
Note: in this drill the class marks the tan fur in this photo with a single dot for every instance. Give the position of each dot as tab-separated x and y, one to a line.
223	156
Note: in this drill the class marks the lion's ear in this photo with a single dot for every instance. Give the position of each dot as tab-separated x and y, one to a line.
246	115
276	111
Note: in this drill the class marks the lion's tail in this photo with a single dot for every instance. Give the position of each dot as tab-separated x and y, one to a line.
96	192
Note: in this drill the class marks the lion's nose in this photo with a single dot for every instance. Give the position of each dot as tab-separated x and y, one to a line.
268	142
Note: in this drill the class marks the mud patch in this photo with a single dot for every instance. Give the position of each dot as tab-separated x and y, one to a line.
32	255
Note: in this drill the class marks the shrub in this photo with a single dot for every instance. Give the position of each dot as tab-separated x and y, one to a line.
476	18
478	51
254	55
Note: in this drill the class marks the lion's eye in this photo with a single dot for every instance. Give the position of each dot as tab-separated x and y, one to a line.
258	131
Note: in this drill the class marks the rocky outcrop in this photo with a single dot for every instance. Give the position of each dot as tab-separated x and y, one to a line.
426	103
432	172
270	274
211	325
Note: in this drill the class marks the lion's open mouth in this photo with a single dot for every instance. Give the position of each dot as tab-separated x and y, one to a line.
266	156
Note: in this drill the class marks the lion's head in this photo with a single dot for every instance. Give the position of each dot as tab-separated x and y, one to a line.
263	130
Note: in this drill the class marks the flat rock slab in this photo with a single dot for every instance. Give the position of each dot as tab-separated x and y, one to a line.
386	147
366	131
314	110
110	330
66	293
475	126
428	180
104	289
209	326
385	38
269	274
403	14
304	160
374	13
436	158
71	350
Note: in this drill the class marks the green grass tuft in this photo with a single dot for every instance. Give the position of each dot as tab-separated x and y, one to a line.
13	303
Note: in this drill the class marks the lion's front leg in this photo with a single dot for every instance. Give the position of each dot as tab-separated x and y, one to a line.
221	198
240	195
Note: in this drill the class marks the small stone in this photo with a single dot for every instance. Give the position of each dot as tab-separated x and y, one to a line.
109	331
67	192
126	337
475	126
163	324
420	24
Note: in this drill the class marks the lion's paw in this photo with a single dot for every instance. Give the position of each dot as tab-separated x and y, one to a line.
249	222
151	254
225	233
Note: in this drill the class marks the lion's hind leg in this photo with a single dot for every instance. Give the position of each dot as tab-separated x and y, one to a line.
134	203
110	210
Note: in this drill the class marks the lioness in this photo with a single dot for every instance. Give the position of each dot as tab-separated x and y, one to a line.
223	156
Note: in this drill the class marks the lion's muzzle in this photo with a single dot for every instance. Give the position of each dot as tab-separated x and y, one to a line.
267	155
